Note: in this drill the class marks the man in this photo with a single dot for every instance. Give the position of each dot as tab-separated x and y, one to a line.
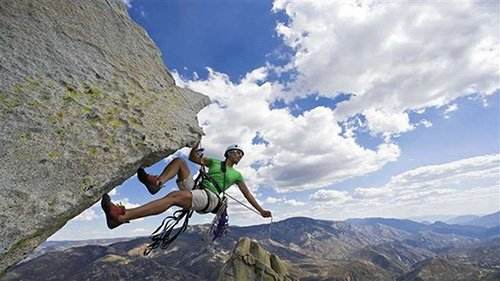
202	200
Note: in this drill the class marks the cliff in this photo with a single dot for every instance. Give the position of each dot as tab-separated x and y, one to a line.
85	100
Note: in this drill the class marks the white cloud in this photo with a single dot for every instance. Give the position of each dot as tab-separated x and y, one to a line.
331	196
383	121
396	56
128	3
126	202
426	123
183	152
467	186
272	200
450	108
304	152
450	188
291	202
90	214
294	203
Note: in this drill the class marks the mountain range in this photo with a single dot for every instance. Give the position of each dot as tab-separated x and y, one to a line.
490	220
368	249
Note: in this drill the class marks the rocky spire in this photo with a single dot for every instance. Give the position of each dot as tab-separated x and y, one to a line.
250	261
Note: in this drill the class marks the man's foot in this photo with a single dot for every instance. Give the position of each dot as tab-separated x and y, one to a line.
151	182
112	211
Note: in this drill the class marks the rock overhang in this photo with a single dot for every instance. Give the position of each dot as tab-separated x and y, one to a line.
85	99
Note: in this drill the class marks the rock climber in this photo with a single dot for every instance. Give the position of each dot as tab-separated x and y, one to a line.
222	175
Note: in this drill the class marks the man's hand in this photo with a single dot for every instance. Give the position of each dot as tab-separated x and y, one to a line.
197	157
266	214
196	144
244	190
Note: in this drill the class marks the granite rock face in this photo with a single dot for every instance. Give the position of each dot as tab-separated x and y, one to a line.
250	261
85	100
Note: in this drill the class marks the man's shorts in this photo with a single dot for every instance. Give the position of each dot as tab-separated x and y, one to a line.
200	197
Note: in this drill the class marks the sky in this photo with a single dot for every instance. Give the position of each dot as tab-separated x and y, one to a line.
345	109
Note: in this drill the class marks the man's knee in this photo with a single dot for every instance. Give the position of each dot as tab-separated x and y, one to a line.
182	198
179	160
184	171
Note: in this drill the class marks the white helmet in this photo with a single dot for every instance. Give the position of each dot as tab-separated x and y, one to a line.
233	147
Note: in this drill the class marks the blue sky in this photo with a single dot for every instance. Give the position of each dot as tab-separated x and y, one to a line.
359	109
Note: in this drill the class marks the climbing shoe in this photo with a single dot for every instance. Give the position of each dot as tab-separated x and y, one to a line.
112	211
150	181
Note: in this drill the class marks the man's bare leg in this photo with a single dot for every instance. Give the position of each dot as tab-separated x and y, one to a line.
177	167
153	183
182	199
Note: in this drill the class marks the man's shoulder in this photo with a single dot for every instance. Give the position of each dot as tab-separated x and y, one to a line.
213	161
236	173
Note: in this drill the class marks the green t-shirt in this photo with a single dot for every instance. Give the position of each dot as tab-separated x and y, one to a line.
232	176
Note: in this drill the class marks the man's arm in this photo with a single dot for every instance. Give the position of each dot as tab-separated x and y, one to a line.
248	195
195	157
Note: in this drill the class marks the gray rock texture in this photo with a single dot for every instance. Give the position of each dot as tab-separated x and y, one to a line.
85	100
250	262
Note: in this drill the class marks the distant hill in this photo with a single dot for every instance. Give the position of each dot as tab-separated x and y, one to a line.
405	225
461	219
53	246
439	269
360	249
491	220
415	227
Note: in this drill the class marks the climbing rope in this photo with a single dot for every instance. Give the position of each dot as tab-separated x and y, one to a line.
243	204
162	239
165	234
253	210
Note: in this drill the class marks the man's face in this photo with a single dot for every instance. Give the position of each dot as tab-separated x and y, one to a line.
235	156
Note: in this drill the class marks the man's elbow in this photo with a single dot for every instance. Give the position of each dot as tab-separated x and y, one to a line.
196	159
192	157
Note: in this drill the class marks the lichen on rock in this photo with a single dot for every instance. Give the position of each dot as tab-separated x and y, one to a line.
85	99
